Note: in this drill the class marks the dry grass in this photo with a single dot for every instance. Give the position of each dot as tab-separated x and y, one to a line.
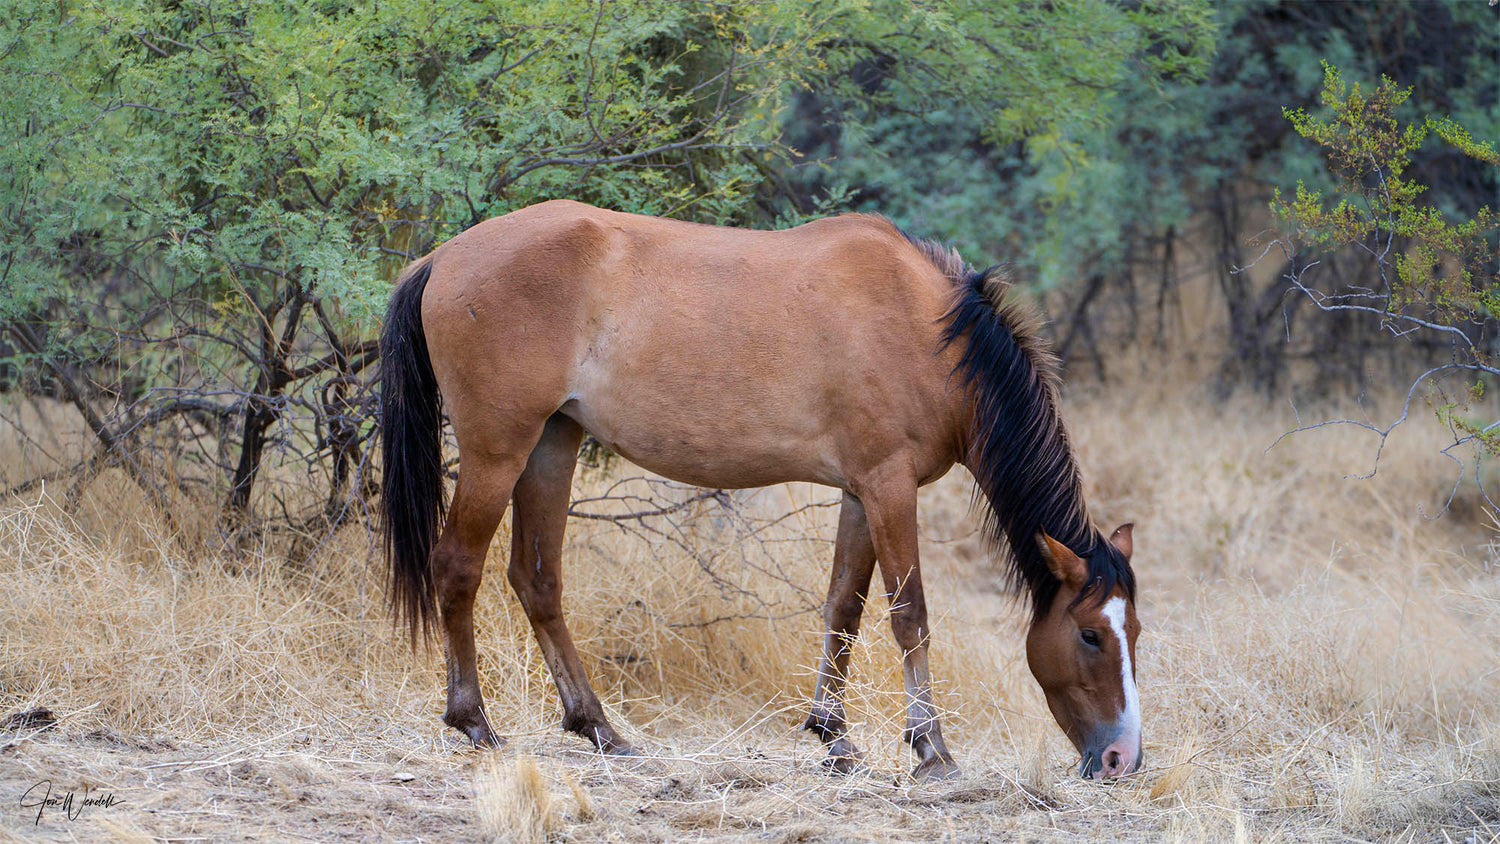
514	802
1319	662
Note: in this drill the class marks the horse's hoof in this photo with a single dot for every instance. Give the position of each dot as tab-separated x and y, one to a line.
623	749
483	739
480	734
845	764
844	757
936	769
471	721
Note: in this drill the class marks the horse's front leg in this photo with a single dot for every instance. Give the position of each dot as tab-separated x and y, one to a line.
853	563
891	509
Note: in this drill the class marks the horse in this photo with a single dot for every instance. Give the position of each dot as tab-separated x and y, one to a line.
841	352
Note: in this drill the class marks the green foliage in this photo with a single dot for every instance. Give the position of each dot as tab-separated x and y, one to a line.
983	127
247	142
203	203
1102	189
1448	266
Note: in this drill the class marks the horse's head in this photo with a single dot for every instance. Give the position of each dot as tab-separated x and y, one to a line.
1082	652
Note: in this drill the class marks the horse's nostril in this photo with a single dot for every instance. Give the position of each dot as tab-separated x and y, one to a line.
1112	760
1089	767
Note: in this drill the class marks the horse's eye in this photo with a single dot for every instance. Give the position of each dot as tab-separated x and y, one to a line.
1090	638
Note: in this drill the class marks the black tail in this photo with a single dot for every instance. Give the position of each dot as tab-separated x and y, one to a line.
411	500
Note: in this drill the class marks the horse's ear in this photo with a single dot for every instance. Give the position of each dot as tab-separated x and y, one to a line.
1065	565
1121	539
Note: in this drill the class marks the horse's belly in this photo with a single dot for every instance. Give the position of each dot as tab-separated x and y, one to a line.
690	445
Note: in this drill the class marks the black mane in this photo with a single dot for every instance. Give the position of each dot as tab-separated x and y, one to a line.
1018	449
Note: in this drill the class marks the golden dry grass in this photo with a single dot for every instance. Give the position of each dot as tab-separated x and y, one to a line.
1319	662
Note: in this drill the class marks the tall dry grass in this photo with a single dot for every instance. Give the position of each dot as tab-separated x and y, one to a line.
1318	659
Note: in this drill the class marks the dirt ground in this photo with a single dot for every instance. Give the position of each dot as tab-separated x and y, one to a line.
296	788
167	790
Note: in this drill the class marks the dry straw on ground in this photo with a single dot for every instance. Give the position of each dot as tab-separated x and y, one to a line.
514	801
1319	661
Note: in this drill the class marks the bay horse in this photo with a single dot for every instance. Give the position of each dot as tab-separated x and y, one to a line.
841	352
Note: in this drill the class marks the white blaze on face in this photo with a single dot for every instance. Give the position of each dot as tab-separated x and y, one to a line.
1130	719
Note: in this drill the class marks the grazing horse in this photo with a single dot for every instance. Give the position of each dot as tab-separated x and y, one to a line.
841	352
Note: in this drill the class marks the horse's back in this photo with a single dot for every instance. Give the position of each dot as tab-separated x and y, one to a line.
721	356
617	255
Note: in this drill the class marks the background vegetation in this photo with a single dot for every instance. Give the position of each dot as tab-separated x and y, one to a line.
203	204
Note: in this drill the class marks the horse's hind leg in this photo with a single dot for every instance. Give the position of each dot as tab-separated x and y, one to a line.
853	563
458	567
539	519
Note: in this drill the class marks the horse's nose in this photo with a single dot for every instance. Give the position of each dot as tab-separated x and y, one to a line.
1120	758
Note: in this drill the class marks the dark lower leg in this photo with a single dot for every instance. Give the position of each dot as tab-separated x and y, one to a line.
540	517
853	562
582	712
465	709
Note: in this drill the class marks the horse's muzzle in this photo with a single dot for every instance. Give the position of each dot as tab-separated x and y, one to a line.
1108	761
